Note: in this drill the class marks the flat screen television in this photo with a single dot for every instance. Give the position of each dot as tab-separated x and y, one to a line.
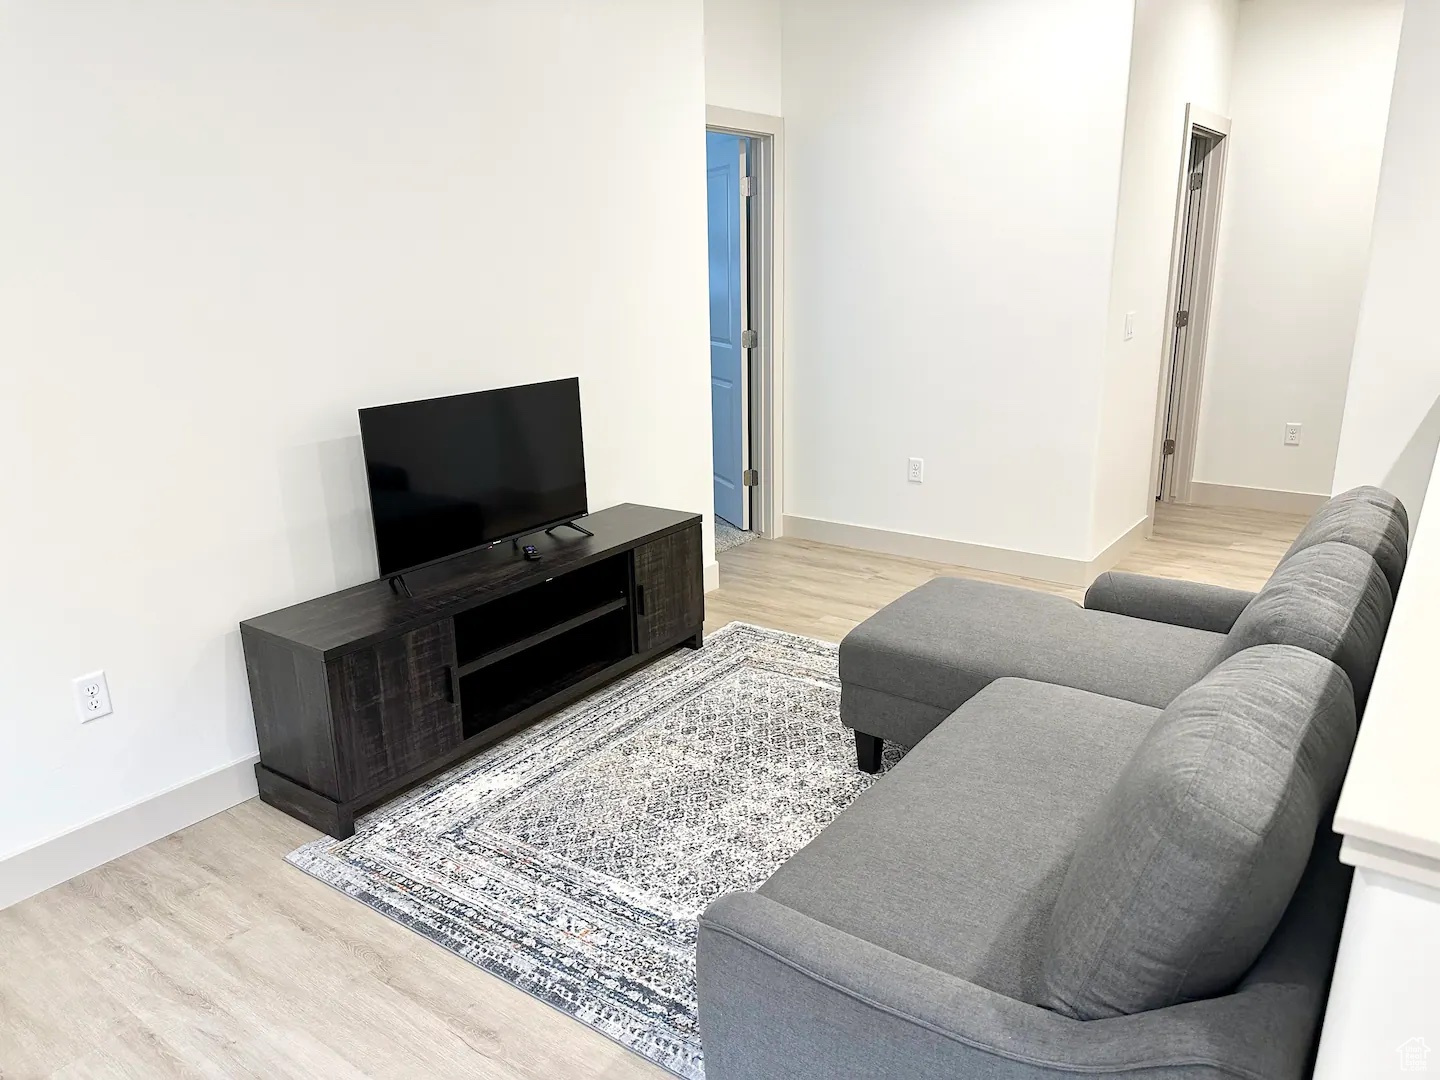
451	474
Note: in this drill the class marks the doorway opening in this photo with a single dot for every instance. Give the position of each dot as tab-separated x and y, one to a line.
1197	231
744	215
728	192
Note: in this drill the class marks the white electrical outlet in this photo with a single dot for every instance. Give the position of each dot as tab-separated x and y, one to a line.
92	696
916	473
1292	434
1129	325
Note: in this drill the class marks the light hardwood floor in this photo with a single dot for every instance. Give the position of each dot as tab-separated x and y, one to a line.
823	591
205	954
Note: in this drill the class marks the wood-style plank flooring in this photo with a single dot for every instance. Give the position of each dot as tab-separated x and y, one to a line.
206	955
824	591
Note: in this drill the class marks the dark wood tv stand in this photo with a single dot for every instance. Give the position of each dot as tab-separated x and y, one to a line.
361	693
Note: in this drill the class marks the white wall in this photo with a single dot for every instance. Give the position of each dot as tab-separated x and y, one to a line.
1392	413
953	174
228	226
742	55
1308	105
1384	992
1181	55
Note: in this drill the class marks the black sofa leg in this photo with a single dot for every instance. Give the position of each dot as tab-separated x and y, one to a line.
867	751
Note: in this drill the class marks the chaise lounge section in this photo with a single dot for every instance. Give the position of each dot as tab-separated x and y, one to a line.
916	661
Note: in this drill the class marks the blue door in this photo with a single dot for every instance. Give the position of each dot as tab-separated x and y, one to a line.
728	382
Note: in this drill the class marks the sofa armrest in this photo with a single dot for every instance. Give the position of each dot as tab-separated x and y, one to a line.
782	994
1180	603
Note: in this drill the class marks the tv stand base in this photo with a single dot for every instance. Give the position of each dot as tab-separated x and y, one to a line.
316	810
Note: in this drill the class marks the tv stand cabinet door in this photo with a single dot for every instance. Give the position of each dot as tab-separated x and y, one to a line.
669	589
395	706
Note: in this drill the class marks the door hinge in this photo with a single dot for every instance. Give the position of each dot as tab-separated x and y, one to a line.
749	339
1196	179
747	185
1182	318
750	477
1169	447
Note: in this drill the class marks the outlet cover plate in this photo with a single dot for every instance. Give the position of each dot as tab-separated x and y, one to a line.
92	697
1292	434
915	472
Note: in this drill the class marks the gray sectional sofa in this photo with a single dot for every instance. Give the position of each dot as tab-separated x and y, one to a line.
1107	852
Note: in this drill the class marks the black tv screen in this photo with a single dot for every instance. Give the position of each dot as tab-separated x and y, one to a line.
454	473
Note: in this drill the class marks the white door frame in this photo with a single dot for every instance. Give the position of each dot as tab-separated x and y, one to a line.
748	497
766	394
1192	374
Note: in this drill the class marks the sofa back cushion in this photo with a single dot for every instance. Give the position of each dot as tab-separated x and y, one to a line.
1183	872
1369	518
1331	599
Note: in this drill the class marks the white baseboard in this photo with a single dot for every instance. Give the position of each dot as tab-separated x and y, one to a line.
712	576
1127	542
95	843
1253	498
953	552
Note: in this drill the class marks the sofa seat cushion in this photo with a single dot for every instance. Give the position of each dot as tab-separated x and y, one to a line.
1368	518
1331	599
944	642
1185	870
953	858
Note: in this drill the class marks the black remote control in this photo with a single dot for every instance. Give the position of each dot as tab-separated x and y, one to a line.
532	553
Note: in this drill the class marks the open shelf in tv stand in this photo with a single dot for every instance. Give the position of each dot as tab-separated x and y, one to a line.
359	694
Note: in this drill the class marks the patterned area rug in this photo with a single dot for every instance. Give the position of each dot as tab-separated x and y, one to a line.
572	858
727	536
